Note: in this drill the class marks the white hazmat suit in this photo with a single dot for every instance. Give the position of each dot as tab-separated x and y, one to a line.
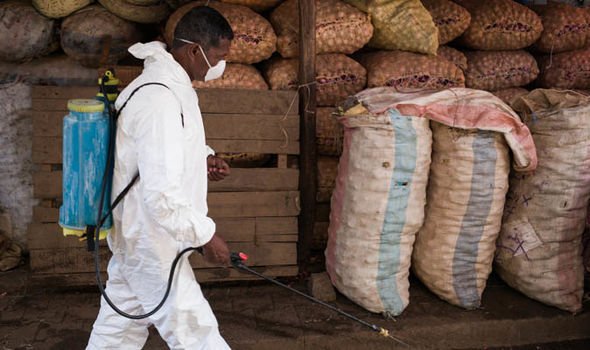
160	133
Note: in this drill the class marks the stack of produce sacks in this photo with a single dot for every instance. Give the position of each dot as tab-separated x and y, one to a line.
540	245
59	8
254	41
140	11
564	57
341	29
499	32
378	206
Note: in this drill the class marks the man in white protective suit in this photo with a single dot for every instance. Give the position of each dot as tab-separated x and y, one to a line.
160	134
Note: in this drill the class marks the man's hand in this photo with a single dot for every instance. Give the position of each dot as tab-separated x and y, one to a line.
216	251
217	168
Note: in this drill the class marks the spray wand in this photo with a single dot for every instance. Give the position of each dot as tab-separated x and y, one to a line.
237	260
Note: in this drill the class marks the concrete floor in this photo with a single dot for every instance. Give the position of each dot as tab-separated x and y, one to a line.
260	316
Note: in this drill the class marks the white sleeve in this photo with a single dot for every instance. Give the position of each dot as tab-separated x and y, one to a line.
159	135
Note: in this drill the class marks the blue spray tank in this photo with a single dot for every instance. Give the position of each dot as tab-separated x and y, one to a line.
86	138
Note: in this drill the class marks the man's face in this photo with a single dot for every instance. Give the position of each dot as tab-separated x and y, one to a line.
199	65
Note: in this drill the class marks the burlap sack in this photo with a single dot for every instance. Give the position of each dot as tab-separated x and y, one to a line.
93	31
137	13
565	28
328	132
256	5
24	33
494	70
327	171
450	19
454	56
509	95
378	205
337	77
540	248
405	70
236	76
254	39
500	25
340	28
468	181
400	25
50	70
567	70
59	8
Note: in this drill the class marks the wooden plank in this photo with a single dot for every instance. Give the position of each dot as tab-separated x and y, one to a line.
217	126
63	92
45	215
307	104
255	146
49	235
247	101
253	204
276	225
85	279
47	185
257	179
251	127
75	260
47	150
236	229
282	161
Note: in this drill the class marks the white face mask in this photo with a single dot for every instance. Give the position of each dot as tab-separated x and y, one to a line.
214	72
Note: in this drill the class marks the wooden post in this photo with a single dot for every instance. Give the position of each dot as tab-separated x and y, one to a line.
307	103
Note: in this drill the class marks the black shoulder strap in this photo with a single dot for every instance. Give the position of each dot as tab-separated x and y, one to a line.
136	177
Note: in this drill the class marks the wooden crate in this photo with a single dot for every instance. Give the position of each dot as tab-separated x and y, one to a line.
256	209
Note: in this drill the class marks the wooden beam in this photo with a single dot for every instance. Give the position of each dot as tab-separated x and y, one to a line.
284	146
307	106
253	204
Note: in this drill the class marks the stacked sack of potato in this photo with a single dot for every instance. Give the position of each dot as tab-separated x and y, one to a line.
341	29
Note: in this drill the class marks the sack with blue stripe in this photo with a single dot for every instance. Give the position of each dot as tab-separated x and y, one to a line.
378	206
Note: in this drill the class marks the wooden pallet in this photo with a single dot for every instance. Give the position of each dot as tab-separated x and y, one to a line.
255	209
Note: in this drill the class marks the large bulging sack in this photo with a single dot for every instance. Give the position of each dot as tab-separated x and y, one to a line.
378	204
254	38
407	70
454	56
86	35
509	95
339	27
540	248
59	8
567	70
400	25
236	76
565	28
450	19
337	77
495	70
500	25
24	33
135	12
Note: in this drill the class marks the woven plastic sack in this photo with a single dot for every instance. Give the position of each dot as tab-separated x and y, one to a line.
407	70
137	13
400	25
377	205
327	170
337	77
494	70
340	28
450	19
567	70
540	246
254	39
500	25
328	132
86	34
59	8
565	28
236	76
454	56
24	33
509	95
256	5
